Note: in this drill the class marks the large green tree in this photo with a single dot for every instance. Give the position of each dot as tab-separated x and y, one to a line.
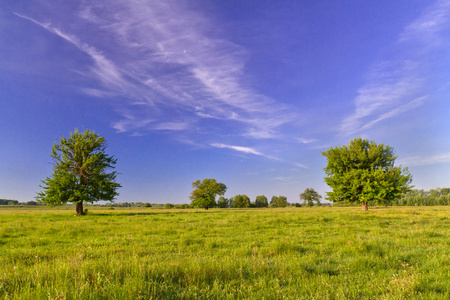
204	193
80	172
309	196
364	171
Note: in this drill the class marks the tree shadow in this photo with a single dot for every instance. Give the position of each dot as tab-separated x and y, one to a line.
128	214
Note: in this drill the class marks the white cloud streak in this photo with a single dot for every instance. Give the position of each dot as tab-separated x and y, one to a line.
248	150
415	161
396	86
306	141
171	64
427	27
395	111
105	70
388	88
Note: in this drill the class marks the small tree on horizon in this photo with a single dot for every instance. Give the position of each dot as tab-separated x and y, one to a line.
223	202
80	172
309	196
273	201
240	201
280	201
261	201
204	193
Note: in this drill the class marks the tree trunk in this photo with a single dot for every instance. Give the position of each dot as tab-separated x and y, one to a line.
364	206
80	208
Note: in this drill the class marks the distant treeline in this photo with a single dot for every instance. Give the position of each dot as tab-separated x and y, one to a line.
129	204
235	202
222	203
15	202
433	197
438	196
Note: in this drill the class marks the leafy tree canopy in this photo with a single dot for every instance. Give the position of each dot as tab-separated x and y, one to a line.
80	172
364	171
261	201
309	196
8	202
223	202
204	193
240	201
280	201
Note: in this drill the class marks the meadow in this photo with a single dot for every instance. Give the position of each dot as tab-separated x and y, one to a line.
289	253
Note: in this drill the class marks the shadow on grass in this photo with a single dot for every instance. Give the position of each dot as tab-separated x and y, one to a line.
118	213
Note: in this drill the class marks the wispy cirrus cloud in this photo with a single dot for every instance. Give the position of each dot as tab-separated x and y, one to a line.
390	86
103	69
415	161
306	141
426	29
159	54
249	150
395	111
397	85
246	150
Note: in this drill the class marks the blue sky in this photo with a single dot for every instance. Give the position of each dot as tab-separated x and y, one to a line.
247	92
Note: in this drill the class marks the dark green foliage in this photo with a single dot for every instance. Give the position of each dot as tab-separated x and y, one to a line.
16	202
168	205
273	201
261	201
438	196
414	197
147	205
223	202
181	206
364	171
280	201
8	202
204	193
240	201
309	196
80	172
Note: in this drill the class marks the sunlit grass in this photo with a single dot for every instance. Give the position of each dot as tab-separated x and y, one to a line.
297	253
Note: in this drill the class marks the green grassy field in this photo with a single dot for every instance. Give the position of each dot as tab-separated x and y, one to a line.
292	253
